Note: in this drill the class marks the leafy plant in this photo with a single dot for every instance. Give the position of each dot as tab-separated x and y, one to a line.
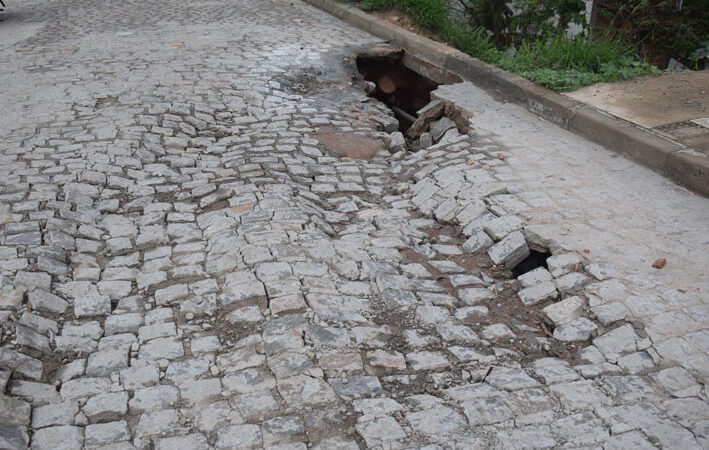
702	53
491	15
536	17
661	29
474	42
563	64
547	56
511	22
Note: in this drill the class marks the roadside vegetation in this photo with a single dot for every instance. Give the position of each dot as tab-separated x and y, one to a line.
530	37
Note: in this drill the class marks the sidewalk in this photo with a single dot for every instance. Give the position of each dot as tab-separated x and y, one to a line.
675	105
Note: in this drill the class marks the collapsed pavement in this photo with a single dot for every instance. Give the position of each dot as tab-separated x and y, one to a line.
197	264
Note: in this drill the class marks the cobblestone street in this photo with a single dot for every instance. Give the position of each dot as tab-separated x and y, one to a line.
211	237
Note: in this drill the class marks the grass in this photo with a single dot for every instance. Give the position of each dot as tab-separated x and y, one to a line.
554	61
564	64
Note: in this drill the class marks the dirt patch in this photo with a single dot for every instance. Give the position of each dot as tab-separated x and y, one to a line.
348	145
533	335
652	101
401	19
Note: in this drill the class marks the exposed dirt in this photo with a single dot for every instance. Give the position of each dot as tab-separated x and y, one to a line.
531	342
652	101
401	19
348	145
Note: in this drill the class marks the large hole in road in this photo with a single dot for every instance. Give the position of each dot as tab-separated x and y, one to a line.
402	89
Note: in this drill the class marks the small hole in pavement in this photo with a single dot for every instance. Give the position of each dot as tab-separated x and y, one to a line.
531	262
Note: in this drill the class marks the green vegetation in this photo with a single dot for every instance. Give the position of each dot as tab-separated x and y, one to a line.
662	29
537	48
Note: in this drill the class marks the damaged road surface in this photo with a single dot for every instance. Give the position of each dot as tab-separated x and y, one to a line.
212	237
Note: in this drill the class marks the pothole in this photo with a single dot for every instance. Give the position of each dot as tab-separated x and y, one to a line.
534	260
405	84
400	88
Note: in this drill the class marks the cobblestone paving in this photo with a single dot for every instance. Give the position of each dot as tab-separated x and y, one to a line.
184	265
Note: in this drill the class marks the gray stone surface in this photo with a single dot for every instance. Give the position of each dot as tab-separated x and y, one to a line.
564	311
510	251
198	264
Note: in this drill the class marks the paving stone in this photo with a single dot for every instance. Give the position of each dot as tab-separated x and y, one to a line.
579	329
106	407
479	241
153	398
356	386
617	342
386	359
241	436
579	395
431	315
122	323
473	296
528	438
610	312
22	364
160	422
283	430
304	390
46	302
200	392
603	271
500	227
487	410
257	405
427	360
562	263
380	431
632	439
627	387
580	429
510	379
377	407
61	413
677	381
535	277
59	437
437	421
564	311
14	411
538	293
570	282
140	376
552	370
106	433
84	387
510	251
106	362
497	331
195	441
167	348
636	362
457	333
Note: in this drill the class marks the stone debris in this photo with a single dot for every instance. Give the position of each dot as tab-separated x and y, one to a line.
184	263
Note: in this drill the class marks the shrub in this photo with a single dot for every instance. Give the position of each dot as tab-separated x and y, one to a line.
547	56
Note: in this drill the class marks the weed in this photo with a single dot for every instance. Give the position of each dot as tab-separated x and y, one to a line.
551	59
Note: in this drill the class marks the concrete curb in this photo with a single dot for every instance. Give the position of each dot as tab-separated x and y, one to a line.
675	161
